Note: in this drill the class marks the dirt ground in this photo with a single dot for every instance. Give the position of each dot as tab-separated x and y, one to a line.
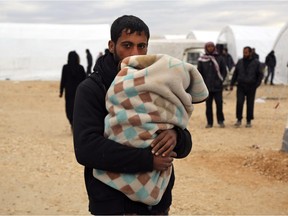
230	171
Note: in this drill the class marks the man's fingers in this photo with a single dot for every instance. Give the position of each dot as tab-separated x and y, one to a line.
169	148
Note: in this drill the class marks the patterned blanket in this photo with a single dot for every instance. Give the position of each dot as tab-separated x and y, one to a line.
150	93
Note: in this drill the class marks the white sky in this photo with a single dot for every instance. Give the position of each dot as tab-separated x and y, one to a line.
163	17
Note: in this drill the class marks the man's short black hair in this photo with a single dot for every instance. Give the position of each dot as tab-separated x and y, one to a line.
130	24
249	48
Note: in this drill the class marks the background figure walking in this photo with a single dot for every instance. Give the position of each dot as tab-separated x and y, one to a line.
89	62
270	62
248	76
72	74
213	70
228	59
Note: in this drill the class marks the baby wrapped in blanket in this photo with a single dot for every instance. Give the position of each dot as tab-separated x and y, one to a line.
150	93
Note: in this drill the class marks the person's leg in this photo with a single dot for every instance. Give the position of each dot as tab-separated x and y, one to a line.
219	107
267	76
250	106
69	105
239	104
272	75
209	110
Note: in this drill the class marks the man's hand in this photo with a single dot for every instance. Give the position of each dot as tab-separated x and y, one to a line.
164	143
161	163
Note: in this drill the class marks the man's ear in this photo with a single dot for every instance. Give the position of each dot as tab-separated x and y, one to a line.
111	46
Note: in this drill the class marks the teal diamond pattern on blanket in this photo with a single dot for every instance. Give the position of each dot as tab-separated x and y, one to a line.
149	126
131	92
155	177
141	109
130	133
144	144
164	183
142	193
129	77
114	100
121	116
100	172
112	184
129	178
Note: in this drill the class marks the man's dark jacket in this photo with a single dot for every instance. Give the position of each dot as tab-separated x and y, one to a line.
72	76
94	151
247	72
270	60
209	73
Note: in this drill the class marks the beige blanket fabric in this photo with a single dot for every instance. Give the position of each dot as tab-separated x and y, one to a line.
150	93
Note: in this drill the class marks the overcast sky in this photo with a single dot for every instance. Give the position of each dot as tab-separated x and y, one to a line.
163	17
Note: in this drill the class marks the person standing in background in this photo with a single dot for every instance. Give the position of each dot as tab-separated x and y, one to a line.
72	74
213	70
89	62
228	59
229	66
254	54
248	76
270	62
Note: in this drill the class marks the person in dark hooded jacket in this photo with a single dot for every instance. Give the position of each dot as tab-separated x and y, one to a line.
89	62
270	62
72	74
212	67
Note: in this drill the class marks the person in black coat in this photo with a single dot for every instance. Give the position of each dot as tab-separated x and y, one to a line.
129	36
248	76
212	67
89	62
72	74
228	59
270	62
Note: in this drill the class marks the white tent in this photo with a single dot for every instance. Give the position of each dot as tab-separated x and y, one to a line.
281	53
204	36
236	37
175	37
38	51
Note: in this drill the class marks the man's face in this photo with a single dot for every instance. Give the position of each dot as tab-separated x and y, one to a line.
246	53
129	45
210	48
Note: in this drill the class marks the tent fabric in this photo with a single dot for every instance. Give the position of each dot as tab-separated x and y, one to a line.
175	37
203	35
38	51
237	37
281	52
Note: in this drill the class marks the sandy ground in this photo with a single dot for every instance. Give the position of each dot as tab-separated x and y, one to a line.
230	170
